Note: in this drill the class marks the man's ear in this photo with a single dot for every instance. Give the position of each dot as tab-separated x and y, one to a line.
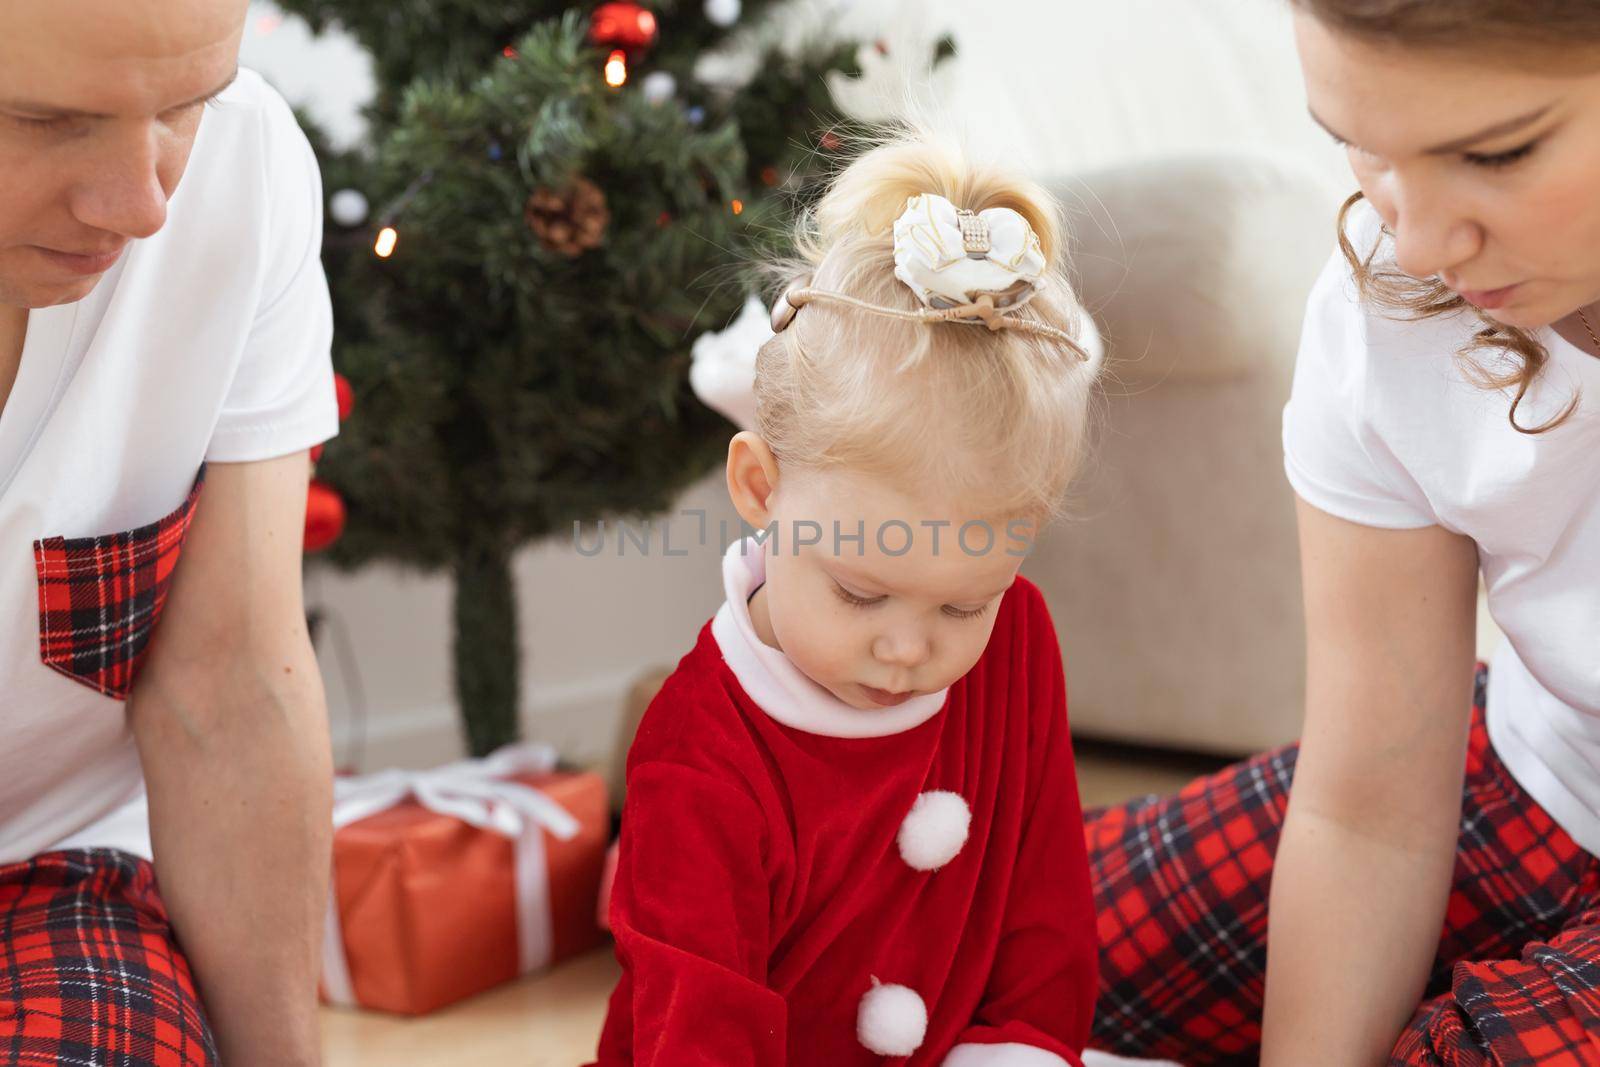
752	478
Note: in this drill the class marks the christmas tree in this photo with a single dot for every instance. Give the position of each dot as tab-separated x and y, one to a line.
558	208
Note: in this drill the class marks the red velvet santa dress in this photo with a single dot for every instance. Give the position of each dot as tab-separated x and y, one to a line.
807	884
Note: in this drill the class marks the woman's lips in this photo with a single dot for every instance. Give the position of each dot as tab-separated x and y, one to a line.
82	264
1488	299
885	698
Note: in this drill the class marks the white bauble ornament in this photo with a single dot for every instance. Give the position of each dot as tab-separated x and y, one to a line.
348	207
934	830
892	1020
723	12
659	86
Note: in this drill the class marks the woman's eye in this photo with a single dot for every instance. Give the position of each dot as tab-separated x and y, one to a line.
1501	159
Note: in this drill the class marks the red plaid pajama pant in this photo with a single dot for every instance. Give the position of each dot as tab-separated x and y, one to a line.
1181	889
89	971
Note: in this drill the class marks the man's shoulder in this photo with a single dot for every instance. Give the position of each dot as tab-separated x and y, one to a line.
249	146
251	184
252	100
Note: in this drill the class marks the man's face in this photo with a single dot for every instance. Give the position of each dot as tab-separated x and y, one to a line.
99	104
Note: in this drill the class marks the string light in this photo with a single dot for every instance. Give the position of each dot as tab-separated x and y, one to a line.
617	69
388	236
738	207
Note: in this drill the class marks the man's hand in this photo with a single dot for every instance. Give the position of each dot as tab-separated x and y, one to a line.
229	716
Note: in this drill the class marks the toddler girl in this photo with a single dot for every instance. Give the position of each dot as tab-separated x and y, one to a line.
852	827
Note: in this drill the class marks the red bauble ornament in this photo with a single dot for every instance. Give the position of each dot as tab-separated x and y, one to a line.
346	395
324	516
623	25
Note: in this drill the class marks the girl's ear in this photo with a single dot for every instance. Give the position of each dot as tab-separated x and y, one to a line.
752	477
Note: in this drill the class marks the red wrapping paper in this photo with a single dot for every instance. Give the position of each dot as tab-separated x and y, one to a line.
427	903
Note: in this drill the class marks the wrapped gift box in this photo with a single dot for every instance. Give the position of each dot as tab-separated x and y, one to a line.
452	881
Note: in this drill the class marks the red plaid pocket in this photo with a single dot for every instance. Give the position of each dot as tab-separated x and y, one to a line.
101	597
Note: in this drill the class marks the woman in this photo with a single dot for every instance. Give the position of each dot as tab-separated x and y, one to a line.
1434	887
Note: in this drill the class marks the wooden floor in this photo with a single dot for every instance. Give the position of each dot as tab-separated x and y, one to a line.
553	1019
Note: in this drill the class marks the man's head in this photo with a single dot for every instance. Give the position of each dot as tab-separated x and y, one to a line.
100	101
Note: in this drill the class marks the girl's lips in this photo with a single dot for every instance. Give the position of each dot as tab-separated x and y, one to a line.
1488	299
884	697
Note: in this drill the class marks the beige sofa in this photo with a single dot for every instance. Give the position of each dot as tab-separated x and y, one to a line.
1175	586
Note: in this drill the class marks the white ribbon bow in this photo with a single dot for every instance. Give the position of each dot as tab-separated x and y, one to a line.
947	263
478	792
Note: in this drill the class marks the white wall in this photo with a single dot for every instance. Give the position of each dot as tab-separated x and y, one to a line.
1055	85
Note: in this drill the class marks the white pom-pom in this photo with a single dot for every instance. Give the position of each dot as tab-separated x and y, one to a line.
723	12
348	207
935	830
659	86
892	1020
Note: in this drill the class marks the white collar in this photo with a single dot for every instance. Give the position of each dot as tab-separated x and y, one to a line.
772	680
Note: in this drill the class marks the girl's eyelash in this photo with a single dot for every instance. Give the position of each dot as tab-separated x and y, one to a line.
857	602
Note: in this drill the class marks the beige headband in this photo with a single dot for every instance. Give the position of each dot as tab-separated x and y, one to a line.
986	309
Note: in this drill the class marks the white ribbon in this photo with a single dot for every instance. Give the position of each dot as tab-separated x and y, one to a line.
479	793
932	257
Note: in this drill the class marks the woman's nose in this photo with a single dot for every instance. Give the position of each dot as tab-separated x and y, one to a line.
1432	234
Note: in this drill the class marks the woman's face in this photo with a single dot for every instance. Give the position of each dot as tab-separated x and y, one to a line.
1488	174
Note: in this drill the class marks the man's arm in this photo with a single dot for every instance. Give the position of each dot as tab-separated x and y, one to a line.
229	716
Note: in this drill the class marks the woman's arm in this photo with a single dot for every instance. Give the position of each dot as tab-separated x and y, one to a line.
1363	868
232	730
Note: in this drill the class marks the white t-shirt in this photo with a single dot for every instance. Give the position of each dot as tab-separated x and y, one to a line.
1383	428
208	341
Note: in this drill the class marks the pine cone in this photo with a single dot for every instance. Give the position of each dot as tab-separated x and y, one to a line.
569	223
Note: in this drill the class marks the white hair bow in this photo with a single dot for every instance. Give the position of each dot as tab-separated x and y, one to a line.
950	256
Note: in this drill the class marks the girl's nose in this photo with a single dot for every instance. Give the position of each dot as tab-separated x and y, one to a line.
902	648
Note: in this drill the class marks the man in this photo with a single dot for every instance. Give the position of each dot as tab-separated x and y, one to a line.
164	367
